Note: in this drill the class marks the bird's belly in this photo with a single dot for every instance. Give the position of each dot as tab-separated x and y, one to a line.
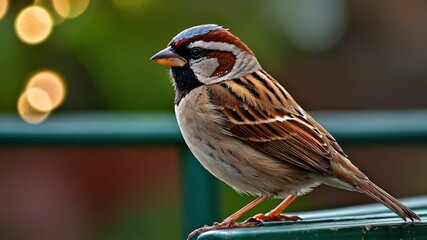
213	157
237	164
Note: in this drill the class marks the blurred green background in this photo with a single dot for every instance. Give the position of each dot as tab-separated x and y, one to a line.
331	55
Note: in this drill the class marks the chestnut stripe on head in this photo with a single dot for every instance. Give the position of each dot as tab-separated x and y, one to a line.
220	36
196	31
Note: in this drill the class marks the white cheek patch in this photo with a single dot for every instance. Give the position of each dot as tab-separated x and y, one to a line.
204	67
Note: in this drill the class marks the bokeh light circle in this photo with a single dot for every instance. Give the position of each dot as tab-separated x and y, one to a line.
33	25
4	5
62	7
28	113
51	83
70	8
39	99
44	92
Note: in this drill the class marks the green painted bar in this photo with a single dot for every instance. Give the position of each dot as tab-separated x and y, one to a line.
372	221
361	127
92	128
200	194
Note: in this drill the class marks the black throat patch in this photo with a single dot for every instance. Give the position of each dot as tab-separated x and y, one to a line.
185	81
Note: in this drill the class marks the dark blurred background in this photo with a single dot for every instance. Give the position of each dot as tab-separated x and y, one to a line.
330	55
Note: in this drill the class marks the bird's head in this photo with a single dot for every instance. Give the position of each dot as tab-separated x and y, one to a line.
206	54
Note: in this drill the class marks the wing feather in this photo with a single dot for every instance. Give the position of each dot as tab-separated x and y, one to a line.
262	114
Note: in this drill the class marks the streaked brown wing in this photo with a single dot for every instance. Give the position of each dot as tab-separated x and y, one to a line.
289	140
262	114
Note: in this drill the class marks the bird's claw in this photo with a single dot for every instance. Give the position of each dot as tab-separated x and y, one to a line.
251	222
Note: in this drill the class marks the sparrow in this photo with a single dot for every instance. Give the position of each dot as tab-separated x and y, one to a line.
249	132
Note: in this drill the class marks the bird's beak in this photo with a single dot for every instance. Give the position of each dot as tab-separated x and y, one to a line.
169	57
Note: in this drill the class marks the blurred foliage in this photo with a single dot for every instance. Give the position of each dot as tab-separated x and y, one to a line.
104	54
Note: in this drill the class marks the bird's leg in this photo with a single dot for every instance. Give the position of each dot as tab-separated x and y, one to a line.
230	222
276	213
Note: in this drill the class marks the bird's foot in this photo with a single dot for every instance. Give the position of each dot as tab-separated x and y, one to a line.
268	217
224	225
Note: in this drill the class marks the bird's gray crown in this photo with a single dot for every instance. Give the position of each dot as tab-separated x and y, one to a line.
195	31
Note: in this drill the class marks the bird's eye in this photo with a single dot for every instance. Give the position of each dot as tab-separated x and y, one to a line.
196	52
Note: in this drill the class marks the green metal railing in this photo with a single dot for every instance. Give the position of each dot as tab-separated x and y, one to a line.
371	221
200	189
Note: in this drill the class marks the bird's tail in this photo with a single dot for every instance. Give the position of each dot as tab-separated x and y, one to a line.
375	192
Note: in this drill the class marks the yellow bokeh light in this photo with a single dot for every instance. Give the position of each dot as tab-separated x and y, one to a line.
70	8
39	100
62	7
48	6
44	92
51	83
4	5
28	113
33	25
